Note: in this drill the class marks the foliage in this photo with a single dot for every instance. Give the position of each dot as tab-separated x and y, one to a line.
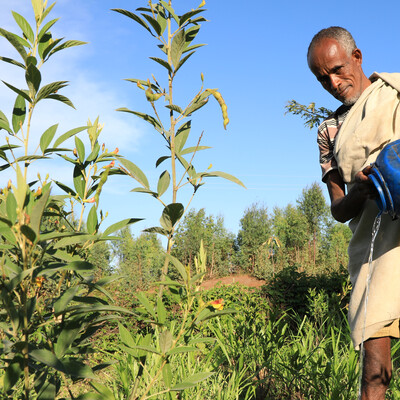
139	260
255	230
313	116
313	205
154	355
175	35
50	304
218	243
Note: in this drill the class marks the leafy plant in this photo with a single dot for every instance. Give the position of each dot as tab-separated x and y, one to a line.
50	304
175	35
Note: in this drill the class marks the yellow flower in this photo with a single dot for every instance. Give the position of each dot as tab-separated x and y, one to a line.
218	304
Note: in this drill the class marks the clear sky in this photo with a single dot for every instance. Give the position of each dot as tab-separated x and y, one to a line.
255	56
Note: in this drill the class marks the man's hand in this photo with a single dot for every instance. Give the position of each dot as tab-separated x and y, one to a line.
364	184
347	206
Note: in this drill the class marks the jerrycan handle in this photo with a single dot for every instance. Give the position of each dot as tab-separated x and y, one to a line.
382	203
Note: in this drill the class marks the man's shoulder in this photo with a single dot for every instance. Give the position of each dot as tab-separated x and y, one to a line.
334	119
391	78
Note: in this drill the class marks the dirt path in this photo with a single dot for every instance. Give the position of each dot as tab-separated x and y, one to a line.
242	279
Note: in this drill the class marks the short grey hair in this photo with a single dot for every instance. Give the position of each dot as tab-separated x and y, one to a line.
341	35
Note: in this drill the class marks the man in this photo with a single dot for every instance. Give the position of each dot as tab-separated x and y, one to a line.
349	141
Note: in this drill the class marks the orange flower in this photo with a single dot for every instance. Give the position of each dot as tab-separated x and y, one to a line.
218	304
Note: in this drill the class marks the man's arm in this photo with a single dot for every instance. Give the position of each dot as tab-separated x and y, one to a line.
347	206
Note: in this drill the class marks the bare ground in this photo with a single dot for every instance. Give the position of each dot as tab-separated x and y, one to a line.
242	279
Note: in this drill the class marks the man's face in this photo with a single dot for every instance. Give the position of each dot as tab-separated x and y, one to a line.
339	73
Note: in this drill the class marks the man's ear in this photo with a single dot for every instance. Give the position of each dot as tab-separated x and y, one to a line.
357	56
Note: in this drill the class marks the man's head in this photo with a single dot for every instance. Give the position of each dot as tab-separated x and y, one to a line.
335	60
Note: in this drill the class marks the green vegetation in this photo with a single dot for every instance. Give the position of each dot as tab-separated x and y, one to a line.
80	313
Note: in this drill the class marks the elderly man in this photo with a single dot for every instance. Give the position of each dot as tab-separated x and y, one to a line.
349	141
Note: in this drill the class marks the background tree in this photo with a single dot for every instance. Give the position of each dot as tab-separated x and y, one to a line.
217	241
313	205
255	229
138	260
290	226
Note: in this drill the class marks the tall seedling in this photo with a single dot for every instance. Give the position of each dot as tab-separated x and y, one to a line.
175	35
48	304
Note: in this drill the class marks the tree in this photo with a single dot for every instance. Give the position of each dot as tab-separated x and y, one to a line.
217	241
139	260
313	205
254	232
290	225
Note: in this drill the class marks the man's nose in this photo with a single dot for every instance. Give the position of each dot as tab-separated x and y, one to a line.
334	81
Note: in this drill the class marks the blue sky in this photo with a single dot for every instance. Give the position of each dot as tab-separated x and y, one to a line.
255	56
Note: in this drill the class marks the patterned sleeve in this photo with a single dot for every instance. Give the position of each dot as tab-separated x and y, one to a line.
326	143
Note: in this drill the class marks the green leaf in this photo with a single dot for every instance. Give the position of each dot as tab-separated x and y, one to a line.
68	134
24	25
163	183
47	44
165	340
179	266
190	48
135	172
79	181
12	373
33	78
50	89
153	22
181	349
189	150
11	61
21	189
162	62
28	232
189	15
196	106
125	336
119	225
61	98
46	27
65	45
93	155
11	207
80	148
157	229
184	59
173	107
177	45
132	16
18	91
162	159
181	136
172	213
65	188
47	137
46	12
61	304
144	190
78	369
14	42
192	380
141	297
161	311
148	118
48	358
221	175
92	222
67	336
19	113
170	10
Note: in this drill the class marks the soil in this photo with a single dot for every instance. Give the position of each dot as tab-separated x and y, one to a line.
242	279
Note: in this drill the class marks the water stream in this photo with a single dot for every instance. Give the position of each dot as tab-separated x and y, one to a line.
375	229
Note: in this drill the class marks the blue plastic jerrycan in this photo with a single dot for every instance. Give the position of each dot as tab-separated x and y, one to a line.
386	177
